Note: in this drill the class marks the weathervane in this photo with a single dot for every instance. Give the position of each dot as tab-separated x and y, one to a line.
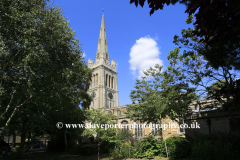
103	10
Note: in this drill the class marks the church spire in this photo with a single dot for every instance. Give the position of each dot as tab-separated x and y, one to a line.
102	49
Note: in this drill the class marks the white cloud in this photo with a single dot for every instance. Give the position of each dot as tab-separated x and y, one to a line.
143	55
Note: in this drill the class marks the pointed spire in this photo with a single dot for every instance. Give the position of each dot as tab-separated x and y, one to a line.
102	49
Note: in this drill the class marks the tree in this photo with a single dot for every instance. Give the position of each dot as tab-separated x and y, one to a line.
41	64
216	25
199	72
97	119
214	88
159	95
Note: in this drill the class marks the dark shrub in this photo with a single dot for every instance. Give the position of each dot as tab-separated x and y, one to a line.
106	146
217	146
177	148
56	144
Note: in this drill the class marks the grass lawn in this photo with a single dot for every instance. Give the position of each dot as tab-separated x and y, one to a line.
52	156
57	156
64	156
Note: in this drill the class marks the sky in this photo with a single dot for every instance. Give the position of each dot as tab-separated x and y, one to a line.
136	40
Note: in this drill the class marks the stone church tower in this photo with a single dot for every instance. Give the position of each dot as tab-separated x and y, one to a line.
104	79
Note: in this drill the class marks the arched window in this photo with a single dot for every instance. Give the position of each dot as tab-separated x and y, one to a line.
110	105
106	79
124	124
109	81
93	80
118	113
139	130
96	79
112	82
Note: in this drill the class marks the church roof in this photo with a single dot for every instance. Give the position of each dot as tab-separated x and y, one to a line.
102	49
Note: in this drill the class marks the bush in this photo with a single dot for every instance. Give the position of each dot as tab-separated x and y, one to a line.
147	146
177	148
56	144
122	151
106	146
149	154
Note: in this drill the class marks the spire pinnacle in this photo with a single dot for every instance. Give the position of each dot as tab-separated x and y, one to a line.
102	49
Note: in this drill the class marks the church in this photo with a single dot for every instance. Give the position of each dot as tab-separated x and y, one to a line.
104	88
104	91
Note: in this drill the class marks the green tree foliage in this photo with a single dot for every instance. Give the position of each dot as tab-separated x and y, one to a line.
159	95
42	71
200	73
216	25
214	88
99	118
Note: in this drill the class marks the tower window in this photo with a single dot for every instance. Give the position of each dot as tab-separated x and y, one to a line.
112	82
96	79
109	82
106	79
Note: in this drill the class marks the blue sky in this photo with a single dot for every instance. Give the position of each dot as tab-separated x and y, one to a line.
135	39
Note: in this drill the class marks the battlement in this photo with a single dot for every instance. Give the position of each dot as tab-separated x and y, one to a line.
102	62
113	63
90	62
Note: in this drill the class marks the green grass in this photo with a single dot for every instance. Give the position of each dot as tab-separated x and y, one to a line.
52	156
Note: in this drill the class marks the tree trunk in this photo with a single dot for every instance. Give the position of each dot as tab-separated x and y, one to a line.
9	135
163	136
98	149
65	139
14	138
23	137
166	148
29	137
